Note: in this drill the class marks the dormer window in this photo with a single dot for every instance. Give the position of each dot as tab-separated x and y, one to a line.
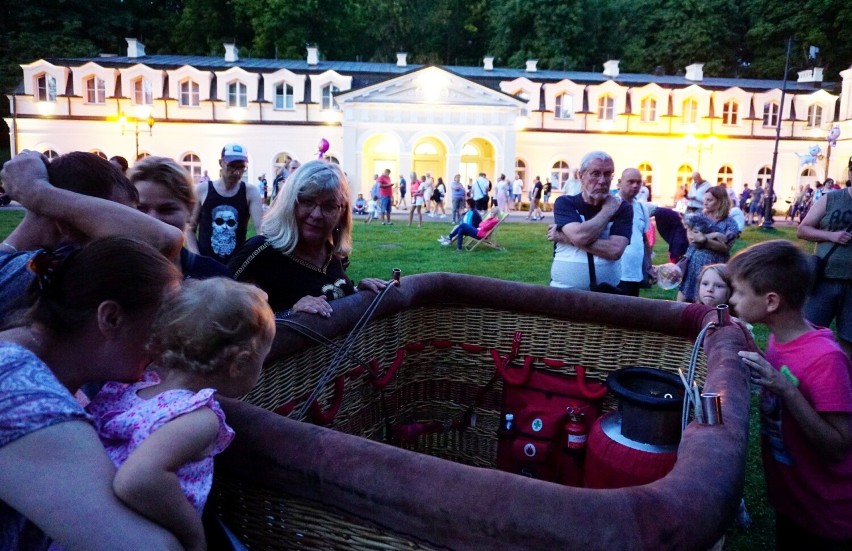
648	109
606	108
237	94
690	111
95	90
815	116
328	102
564	106
189	96
143	92
730	113
284	96
45	88
770	114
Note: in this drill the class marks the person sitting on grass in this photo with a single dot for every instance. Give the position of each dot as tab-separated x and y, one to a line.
360	206
481	231
806	399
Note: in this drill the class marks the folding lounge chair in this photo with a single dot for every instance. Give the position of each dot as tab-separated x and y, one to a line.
488	240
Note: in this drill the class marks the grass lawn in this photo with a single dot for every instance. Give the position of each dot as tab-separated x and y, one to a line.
378	249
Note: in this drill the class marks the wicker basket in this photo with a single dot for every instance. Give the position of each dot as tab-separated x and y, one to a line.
289	485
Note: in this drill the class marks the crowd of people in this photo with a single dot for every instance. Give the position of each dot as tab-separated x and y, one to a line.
129	300
118	331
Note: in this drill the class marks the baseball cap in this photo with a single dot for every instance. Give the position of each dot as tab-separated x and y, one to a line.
234	152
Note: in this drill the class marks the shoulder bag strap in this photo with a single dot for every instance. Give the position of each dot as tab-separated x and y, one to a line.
593	279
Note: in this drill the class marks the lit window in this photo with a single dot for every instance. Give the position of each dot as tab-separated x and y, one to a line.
690	111
143	92
521	169
559	174
332	160
45	88
815	116
237	95
763	175
50	154
770	114
192	163
684	175
730	113
95	90
606	108
100	154
564	106
283	96
189	96
725	176
328	102
647	172
649	110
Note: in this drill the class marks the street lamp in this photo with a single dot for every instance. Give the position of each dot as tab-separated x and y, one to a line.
700	145
123	120
768	222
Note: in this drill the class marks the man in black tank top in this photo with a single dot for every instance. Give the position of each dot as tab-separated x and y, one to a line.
224	206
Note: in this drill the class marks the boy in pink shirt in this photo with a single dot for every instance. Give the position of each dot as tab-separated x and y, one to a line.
806	400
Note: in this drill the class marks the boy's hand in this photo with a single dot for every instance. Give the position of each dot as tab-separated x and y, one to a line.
23	174
763	374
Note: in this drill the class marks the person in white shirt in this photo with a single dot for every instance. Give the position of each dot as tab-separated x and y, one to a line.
633	260
695	195
517	189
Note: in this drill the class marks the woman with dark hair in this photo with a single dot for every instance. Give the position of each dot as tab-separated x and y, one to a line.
710	235
74	198
89	320
301	256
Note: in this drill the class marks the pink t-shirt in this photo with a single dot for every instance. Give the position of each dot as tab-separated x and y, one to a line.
802	484
123	420
485	227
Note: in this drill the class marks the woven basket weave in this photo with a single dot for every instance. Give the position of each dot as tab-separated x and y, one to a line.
447	366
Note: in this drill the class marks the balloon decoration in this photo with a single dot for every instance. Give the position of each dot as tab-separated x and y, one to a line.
322	148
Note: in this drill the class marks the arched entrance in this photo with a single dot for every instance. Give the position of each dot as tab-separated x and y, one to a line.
380	152
430	155
477	156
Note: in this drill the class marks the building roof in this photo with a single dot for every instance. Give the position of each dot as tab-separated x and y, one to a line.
367	73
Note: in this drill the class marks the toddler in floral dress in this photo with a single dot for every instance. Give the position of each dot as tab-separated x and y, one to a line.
163	431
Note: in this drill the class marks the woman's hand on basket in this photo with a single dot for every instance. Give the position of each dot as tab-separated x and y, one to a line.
313	305
841	237
373	284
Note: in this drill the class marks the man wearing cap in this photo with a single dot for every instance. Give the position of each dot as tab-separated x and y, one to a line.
223	209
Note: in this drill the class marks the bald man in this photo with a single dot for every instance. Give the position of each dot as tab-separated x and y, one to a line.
633	270
696	192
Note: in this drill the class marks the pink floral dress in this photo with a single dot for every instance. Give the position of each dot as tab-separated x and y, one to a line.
123	420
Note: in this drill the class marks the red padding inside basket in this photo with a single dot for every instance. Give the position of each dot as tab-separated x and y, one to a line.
610	464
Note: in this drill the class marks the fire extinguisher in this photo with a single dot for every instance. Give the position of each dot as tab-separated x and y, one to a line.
575	434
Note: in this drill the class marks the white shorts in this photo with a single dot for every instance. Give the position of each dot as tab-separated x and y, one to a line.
418	201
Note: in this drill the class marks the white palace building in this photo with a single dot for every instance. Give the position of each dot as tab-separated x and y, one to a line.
441	119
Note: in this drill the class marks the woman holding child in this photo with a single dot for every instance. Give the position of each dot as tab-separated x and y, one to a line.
301	256
89	319
710	238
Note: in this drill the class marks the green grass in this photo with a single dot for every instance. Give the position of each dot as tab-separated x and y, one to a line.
526	258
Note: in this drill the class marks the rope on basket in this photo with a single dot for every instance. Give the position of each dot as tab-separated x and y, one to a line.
342	352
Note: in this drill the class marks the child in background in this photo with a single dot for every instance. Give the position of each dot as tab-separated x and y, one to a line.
806	400
714	287
372	210
162	432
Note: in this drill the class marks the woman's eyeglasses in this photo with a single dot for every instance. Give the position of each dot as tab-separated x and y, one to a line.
327	208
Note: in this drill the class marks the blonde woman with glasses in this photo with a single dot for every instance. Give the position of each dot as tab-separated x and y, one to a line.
302	252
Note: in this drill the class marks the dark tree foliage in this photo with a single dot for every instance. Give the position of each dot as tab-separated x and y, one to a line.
731	37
